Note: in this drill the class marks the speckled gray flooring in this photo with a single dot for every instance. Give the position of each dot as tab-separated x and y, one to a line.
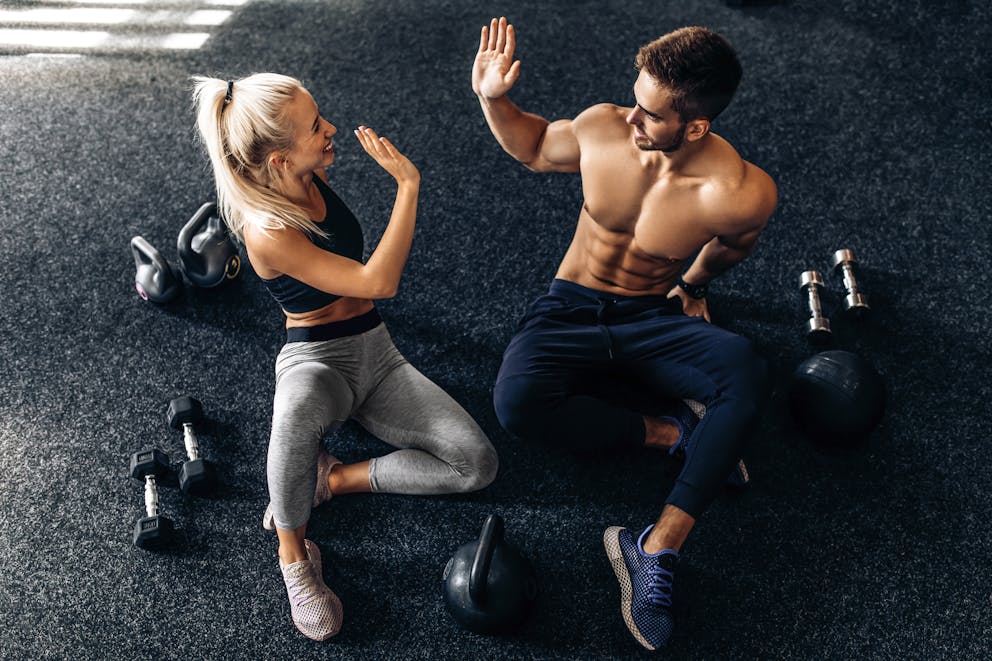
872	116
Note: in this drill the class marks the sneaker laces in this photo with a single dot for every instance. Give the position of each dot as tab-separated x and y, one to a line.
300	584
659	585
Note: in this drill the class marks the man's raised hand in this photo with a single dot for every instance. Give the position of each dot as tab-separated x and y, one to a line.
494	71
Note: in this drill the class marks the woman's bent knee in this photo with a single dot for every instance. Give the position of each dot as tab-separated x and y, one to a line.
481	469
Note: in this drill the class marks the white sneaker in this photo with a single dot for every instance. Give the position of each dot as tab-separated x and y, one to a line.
316	611
321	494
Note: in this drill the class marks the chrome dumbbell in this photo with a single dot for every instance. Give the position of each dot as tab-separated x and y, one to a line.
818	326
854	301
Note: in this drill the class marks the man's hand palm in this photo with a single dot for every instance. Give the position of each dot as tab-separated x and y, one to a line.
491	75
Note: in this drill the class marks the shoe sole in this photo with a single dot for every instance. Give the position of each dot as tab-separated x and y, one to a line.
611	540
739	478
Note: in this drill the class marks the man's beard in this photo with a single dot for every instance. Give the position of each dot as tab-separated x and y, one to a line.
669	147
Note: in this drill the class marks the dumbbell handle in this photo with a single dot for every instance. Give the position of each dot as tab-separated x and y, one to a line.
189	438
813	300
151	496
845	262
854	298
818	325
850	284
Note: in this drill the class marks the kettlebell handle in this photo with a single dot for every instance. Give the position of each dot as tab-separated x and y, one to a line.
144	253
491	537
193	225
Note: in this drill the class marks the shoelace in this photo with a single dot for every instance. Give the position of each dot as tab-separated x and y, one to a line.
302	588
659	585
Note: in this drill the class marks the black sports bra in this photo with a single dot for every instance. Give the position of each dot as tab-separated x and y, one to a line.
344	237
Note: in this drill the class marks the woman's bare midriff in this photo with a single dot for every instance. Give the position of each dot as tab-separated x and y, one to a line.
339	310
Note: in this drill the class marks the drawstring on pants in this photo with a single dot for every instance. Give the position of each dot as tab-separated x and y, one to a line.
600	318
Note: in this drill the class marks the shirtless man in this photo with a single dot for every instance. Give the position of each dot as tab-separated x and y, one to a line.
658	186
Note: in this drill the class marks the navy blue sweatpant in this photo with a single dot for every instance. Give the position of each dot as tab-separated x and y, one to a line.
577	348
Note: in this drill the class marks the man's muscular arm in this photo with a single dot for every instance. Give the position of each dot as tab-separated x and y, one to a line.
532	140
721	254
734	242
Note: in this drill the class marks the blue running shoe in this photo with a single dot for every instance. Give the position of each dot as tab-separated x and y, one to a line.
645	585
688	413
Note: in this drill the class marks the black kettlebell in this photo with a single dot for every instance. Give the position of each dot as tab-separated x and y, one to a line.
154	278
489	586
207	255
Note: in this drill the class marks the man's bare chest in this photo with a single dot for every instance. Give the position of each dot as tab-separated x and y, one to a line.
659	216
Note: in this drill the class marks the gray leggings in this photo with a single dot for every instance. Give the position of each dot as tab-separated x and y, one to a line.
321	384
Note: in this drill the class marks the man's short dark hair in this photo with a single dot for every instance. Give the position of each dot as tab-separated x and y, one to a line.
698	66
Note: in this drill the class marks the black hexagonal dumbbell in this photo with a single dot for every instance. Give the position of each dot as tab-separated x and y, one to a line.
197	476
152	530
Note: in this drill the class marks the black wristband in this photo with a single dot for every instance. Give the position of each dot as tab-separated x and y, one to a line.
693	291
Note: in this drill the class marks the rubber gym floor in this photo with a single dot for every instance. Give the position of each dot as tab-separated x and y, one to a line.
874	119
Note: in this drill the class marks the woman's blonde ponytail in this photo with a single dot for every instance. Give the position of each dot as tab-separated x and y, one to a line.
241	123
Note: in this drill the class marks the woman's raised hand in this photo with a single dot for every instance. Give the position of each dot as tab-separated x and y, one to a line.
388	157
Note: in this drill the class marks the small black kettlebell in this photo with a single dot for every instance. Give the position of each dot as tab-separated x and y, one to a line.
489	586
154	278
207	255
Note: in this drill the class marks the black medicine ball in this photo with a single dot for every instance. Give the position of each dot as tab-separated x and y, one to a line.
837	397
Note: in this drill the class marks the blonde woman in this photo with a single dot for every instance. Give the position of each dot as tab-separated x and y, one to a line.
269	148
